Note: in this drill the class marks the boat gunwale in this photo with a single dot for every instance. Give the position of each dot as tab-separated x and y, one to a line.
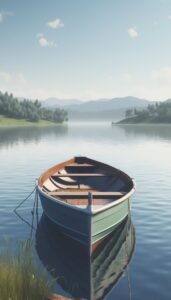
46	174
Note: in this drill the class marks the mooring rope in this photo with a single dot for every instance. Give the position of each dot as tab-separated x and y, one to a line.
126	251
33	212
35	209
37	206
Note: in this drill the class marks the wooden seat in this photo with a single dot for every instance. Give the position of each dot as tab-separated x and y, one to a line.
63	193
63	171
84	201
81	175
63	185
49	186
81	165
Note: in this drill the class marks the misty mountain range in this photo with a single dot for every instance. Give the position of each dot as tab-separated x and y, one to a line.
94	110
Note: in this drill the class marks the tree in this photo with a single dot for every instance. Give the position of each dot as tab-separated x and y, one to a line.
129	113
29	110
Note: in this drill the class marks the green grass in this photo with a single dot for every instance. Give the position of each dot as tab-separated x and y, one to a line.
10	122
20	277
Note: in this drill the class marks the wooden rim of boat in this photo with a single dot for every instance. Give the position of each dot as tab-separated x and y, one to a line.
106	171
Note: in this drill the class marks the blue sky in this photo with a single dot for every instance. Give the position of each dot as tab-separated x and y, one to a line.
86	49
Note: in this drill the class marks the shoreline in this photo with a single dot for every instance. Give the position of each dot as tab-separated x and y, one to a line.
141	124
11	123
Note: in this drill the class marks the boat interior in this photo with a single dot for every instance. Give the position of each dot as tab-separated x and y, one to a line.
82	182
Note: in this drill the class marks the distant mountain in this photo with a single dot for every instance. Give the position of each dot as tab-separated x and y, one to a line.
108	104
54	102
97	105
100	109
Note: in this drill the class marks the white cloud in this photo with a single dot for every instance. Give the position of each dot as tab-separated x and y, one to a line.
163	74
44	42
132	32
8	77
55	24
127	77
21	78
4	14
154	85
169	17
5	76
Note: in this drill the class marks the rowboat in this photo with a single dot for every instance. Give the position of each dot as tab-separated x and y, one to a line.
85	198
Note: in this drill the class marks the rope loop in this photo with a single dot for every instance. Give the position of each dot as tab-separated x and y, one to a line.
33	211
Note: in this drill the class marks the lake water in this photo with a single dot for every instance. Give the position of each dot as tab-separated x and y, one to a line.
144	152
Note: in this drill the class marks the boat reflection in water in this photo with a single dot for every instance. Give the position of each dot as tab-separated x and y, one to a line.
80	275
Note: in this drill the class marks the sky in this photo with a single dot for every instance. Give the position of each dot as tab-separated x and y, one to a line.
85	49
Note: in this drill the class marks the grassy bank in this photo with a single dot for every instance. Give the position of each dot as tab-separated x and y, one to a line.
10	122
20	277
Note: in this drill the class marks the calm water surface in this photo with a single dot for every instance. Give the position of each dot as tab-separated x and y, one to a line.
144	152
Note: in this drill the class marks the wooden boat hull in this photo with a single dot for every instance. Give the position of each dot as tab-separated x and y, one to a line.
104	222
83	226
72	222
85	198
